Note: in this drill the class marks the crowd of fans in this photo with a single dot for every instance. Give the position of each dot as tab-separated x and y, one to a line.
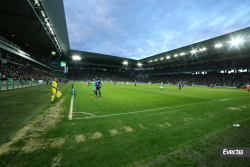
15	71
234	79
84	75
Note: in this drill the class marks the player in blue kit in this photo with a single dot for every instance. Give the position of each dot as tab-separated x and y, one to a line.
135	83
179	86
98	87
182	84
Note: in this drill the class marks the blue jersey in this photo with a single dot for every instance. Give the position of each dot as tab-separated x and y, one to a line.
98	83
179	84
182	83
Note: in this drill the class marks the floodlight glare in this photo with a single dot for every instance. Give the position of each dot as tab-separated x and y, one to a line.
168	57
139	64
218	45
203	49
237	41
193	51
125	62
150	60
182	54
162	58
175	55
155	59
76	58
43	13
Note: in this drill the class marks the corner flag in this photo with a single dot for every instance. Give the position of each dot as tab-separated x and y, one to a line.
73	92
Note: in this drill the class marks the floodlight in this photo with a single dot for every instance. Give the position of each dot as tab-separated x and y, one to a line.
36	2
193	51
168	57
218	45
150	60
162	58
43	13
139	64
125	62
203	49
182	54
155	59
76	58
175	55
236	41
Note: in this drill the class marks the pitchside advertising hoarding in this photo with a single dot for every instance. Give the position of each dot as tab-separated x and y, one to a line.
63	64
235	152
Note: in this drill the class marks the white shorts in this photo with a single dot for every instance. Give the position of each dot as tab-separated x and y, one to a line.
94	89
161	87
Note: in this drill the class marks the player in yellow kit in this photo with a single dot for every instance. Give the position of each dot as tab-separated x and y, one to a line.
54	89
127	82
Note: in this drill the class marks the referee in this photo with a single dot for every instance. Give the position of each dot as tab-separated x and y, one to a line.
54	89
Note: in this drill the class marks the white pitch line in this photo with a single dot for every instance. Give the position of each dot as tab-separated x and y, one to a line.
71	107
85	113
155	109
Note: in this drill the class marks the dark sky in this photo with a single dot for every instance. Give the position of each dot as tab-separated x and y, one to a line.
140	28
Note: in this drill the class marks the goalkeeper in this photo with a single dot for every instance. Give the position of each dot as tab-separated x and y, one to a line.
54	89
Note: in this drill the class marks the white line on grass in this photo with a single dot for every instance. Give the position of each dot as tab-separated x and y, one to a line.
155	109
71	107
85	113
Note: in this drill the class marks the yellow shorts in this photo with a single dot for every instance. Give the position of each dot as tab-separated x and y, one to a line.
53	91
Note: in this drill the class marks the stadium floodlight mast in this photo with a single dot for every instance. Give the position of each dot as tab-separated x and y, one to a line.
76	58
125	63
218	45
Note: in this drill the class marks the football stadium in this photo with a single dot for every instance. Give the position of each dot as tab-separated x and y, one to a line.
188	106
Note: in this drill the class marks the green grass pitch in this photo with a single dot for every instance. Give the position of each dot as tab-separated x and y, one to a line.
130	126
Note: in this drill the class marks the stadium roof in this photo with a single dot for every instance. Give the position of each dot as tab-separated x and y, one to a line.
25	22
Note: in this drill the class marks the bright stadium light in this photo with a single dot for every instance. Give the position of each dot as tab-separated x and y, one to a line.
139	64
175	55
155	59
125	62
193	51
36	2
168	57
202	49
218	45
237	41
162	58
182	54
43	13
76	58
150	60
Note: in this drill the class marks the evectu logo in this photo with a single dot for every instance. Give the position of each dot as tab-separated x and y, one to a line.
235	152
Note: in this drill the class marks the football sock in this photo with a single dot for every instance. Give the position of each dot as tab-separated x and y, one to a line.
52	98
94	94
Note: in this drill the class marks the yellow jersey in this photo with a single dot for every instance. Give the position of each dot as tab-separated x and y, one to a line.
54	84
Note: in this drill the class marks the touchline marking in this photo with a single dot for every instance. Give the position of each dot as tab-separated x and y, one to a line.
71	107
154	109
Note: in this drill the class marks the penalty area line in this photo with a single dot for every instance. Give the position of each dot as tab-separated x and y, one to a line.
154	109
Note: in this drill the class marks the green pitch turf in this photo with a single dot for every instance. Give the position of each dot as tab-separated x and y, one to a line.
132	126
